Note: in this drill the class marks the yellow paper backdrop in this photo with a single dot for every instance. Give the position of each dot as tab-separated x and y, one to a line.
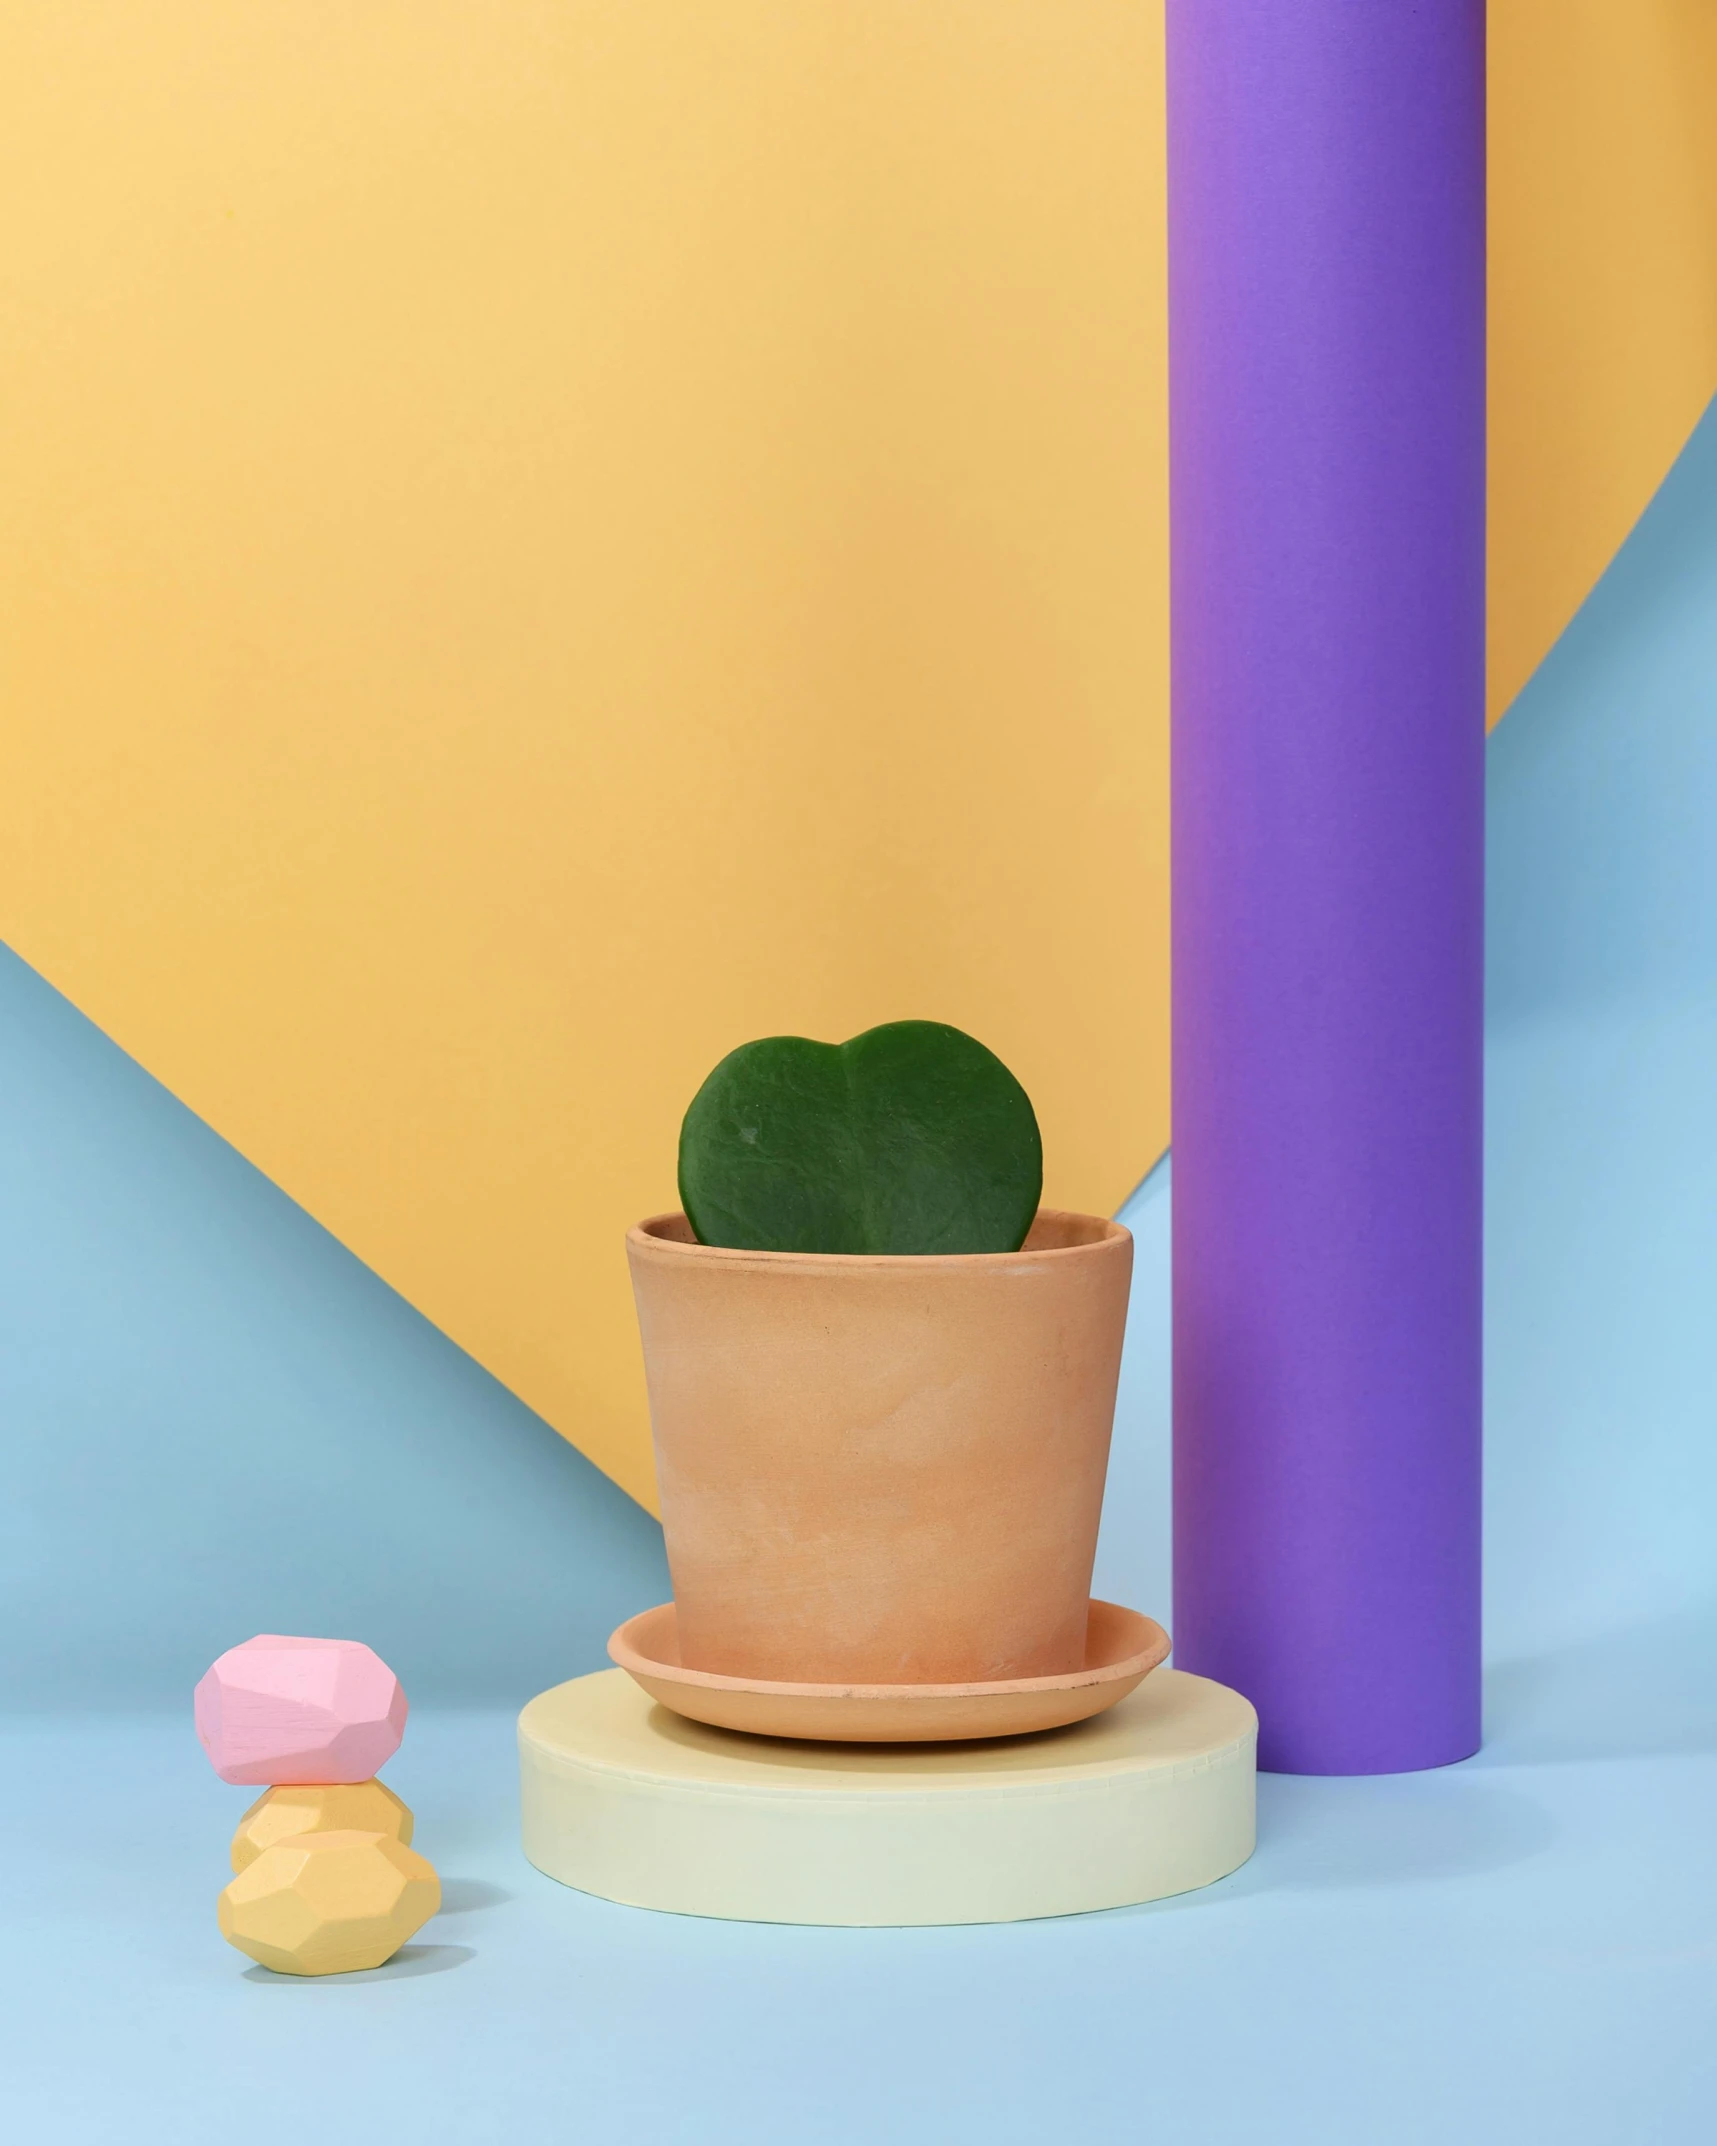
1603	291
542	538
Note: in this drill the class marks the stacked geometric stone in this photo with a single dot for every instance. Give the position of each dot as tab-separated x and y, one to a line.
327	1881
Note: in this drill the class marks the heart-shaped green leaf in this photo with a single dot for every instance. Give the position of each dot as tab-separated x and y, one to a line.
909	1138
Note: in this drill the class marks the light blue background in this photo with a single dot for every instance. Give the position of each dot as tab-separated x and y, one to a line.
216	1421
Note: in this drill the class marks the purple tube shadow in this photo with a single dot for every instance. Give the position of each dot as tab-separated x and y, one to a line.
1327	429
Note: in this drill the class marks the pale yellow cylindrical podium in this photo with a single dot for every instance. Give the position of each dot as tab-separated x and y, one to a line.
626	1800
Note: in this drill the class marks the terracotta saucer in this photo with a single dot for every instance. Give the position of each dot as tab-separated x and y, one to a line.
1121	1650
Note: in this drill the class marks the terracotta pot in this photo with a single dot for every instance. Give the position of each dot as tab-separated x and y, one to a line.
879	1468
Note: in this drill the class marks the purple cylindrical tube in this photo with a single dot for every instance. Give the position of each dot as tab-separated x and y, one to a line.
1327	415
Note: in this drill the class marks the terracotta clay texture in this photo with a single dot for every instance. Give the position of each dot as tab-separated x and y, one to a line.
1121	1650
329	1903
883	1470
288	1710
345	1807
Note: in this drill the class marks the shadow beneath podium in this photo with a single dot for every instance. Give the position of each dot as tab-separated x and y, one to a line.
1341	1835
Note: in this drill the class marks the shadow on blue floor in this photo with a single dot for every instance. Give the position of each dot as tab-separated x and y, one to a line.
409	1962
1374	1832
1649	1691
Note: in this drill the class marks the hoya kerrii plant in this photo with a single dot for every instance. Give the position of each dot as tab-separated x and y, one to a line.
910	1138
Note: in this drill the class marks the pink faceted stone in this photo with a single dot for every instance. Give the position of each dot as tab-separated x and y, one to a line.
294	1712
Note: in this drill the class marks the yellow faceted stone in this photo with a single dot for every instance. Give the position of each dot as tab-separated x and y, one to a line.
328	1903
348	1807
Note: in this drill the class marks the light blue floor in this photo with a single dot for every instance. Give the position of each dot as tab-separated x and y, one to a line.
1520	1949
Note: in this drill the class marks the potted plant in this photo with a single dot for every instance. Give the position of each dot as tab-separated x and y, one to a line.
881	1380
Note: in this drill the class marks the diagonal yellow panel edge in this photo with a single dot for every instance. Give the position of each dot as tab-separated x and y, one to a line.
1603	291
545	537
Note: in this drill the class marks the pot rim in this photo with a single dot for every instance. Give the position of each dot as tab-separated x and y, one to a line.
645	1239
